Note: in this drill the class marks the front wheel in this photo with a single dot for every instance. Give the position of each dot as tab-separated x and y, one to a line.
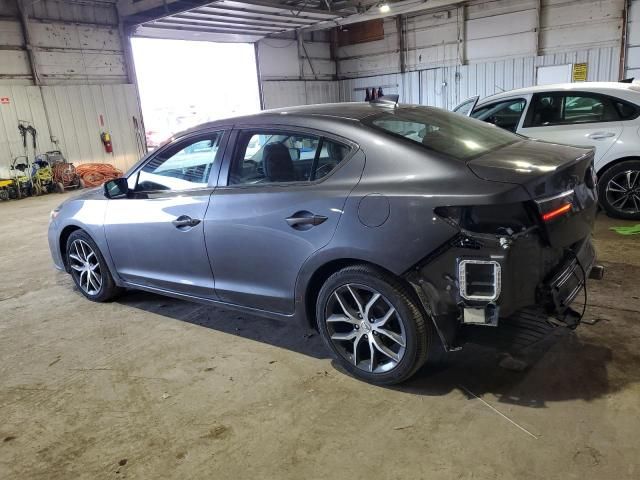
619	190
89	269
373	325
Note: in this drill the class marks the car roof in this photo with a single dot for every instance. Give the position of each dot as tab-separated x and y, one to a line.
596	87
346	111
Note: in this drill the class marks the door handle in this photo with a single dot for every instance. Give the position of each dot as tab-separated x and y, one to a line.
305	219
184	222
601	135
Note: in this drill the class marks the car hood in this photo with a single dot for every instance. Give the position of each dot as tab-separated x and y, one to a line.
96	193
542	168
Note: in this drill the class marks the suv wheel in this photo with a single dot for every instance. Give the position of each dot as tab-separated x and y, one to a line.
619	190
373	325
89	269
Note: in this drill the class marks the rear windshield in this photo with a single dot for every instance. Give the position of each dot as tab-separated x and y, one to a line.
441	131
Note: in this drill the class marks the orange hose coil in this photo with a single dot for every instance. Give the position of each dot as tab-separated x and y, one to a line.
95	174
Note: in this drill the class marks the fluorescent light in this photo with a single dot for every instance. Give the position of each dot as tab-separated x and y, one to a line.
384	8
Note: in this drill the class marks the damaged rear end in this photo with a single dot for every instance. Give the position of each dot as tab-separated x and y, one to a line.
534	254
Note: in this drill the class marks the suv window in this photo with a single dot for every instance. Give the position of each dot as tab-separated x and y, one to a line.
504	114
283	157
570	108
440	131
183	167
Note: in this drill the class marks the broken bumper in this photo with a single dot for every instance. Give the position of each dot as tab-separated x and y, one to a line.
479	279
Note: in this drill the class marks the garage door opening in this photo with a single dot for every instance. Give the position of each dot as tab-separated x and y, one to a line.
185	83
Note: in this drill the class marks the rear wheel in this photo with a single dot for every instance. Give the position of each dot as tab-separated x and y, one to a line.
373	325
619	190
59	187
89	269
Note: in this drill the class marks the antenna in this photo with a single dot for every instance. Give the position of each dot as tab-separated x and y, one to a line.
390	100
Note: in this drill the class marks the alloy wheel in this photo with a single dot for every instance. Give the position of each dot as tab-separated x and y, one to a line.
85	267
623	191
365	328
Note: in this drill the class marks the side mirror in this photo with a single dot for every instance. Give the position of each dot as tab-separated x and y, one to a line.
116	188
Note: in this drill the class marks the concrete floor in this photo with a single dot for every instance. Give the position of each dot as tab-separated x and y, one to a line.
149	387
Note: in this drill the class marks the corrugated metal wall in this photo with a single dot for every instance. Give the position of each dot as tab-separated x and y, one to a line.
74	117
632	67
479	48
481	31
286	93
447	86
82	69
72	43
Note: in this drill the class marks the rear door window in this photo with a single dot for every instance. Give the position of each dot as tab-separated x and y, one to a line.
626	111
570	108
283	157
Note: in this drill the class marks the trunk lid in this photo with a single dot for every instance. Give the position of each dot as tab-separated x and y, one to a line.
559	179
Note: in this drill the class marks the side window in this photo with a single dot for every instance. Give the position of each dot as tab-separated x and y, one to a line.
283	157
581	109
465	107
185	166
626	111
503	114
562	109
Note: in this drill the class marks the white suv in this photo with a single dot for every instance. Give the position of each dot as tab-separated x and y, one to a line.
604	115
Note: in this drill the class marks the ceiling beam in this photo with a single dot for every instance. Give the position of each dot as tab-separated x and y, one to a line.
188	23
294	9
235	17
216	20
249	10
398	8
163	11
164	25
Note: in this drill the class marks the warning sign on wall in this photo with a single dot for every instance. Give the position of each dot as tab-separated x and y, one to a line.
4	100
579	72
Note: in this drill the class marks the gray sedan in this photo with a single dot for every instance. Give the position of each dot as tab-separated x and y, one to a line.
394	230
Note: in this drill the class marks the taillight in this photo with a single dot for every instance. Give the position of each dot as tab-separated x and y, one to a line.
556	206
557	212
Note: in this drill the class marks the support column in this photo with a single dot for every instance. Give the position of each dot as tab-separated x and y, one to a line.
402	46
26	36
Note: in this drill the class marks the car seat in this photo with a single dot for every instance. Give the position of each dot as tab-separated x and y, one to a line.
278	166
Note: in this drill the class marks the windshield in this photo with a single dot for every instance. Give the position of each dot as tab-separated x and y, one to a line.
444	132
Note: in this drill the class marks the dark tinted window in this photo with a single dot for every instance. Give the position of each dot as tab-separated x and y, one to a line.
438	130
282	157
626	111
571	108
503	114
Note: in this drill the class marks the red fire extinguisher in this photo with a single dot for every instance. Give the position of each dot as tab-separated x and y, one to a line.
106	141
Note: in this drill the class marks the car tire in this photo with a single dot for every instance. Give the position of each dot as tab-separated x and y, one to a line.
614	184
410	339
89	269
